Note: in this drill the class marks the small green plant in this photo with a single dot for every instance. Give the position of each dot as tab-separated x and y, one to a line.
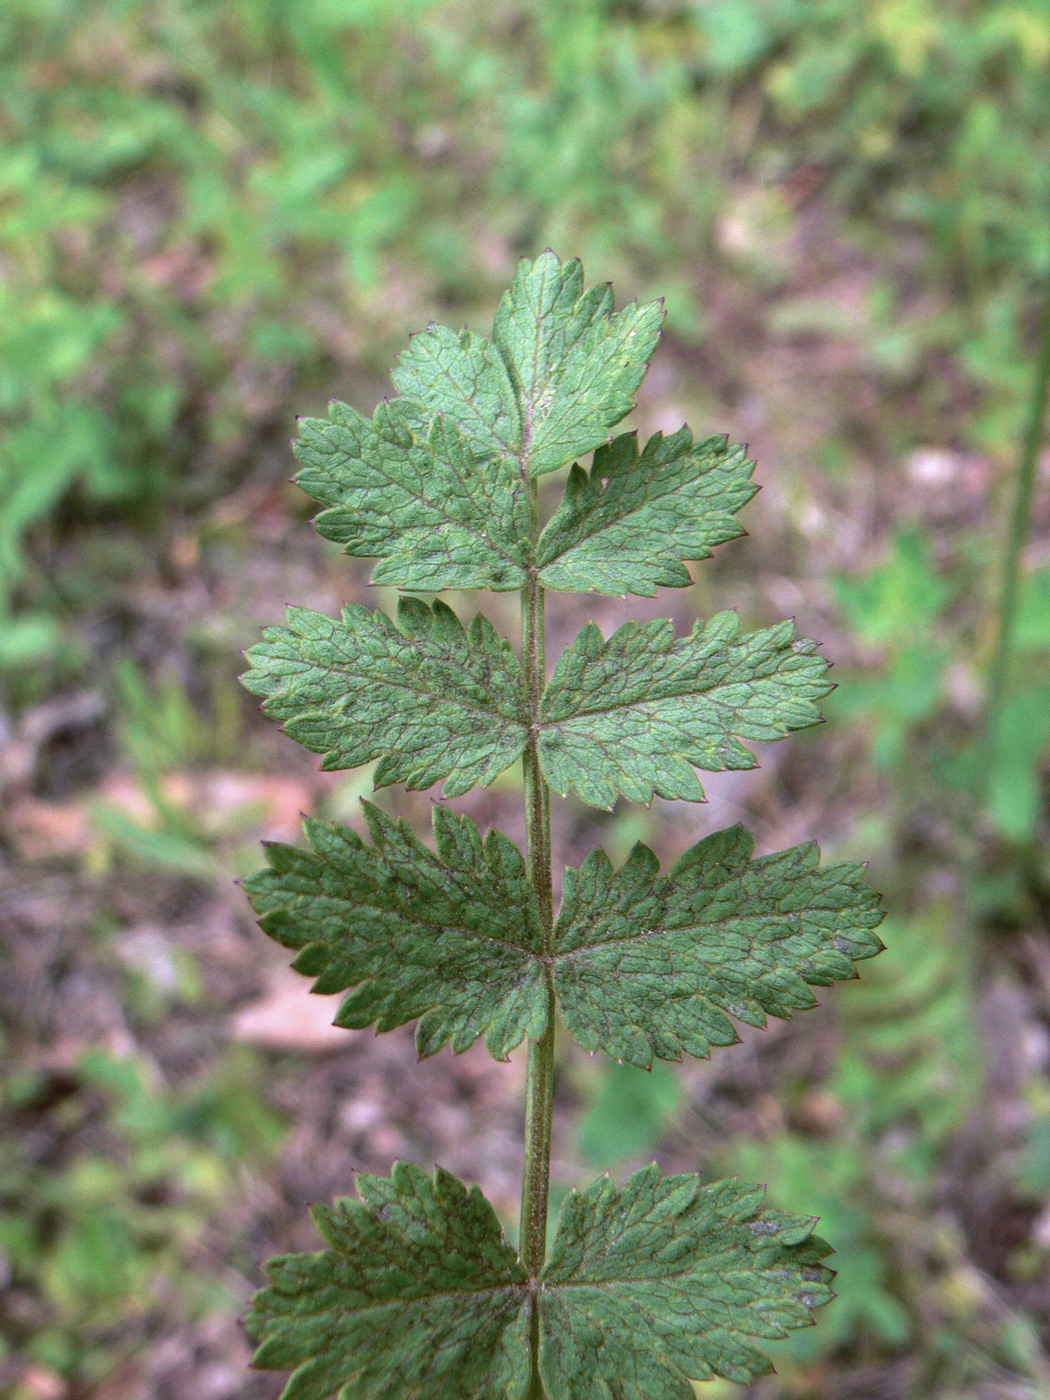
644	1287
104	1207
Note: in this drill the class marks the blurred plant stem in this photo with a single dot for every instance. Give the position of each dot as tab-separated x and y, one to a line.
1019	523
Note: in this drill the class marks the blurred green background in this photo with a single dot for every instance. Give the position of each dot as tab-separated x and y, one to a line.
217	214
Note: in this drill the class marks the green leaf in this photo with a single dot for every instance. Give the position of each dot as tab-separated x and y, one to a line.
433	702
576	363
28	640
418	1297
407	489
561	369
428	699
901	600
644	966
464	376
635	714
667	1281
452	939
629	525
648	966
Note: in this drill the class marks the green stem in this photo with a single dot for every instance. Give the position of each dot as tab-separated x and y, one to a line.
538	1101
539	1098
539	1092
1010	587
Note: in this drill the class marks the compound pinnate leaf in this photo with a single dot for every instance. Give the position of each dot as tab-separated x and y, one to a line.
637	713
428	699
418	1297
628	526
648	966
559	373
666	1281
451	938
405	488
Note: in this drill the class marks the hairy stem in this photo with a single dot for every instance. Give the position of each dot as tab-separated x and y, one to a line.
539	1093
1019	521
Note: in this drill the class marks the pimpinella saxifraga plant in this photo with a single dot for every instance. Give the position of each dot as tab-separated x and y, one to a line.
418	1295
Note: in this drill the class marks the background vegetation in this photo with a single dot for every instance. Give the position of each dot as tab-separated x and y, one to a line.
216	215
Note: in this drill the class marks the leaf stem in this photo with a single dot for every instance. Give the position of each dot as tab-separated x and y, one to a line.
539	1098
1019	522
539	1092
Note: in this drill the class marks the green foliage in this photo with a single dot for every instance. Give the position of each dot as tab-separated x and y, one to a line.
630	715
419	1293
407	489
1022	745
189	190
907	1076
642	966
833	1179
560	370
427	698
116	1232
628	525
629	1112
910	1062
207	208
649	967
665	1281
897	608
160	729
914	626
452	939
635	714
